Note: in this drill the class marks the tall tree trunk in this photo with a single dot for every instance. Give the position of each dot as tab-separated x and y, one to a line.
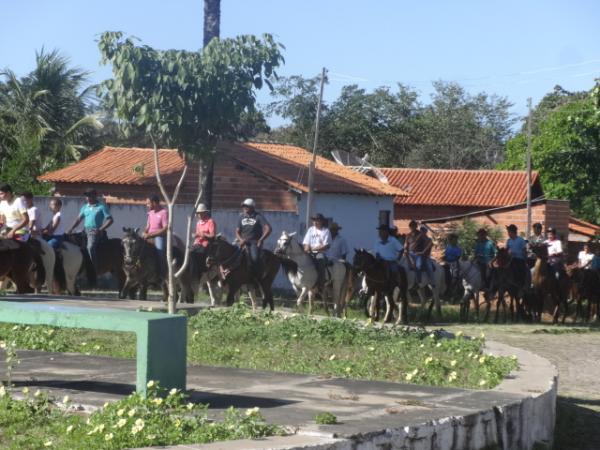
212	28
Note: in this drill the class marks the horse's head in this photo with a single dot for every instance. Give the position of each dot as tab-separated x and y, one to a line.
132	245
79	238
502	258
284	243
362	260
218	250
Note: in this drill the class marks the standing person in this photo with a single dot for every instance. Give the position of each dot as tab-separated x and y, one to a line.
316	242
96	219
156	228
55	230
585	257
35	217
485	251
13	214
517	248
251	232
338	249
555	252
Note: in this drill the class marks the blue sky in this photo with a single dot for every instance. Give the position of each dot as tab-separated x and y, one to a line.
512	48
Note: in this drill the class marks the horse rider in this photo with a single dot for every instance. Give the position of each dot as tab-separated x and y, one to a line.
156	228
585	257
388	249
54	232
517	248
414	246
555	252
35	217
428	246
252	231
316	242
537	237
14	217
452	254
206	229
485	251
338	249
96	219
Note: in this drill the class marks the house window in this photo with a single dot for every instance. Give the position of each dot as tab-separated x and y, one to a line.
384	217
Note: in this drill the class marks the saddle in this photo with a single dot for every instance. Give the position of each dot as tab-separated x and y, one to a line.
8	244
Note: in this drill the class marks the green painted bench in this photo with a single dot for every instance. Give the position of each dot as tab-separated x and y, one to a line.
161	338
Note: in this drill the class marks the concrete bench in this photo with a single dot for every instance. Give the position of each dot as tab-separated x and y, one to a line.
161	338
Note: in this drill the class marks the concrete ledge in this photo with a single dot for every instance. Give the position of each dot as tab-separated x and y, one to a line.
518	419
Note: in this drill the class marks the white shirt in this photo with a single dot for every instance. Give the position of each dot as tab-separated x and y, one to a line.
338	249
60	229
316	238
34	214
554	247
584	258
13	211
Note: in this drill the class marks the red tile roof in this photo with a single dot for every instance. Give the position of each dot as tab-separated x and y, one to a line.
476	188
117	165
283	163
582	227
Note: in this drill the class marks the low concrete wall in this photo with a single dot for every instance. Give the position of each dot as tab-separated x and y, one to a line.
519	424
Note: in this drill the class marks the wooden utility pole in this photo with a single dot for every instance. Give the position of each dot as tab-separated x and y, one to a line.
312	164
528	233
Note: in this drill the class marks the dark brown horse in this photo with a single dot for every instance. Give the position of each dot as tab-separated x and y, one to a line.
141	265
380	282
508	277
109	256
547	287
585	285
237	272
16	264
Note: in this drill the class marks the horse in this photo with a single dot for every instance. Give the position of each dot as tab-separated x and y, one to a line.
379	282
437	284
71	260
197	275
16	264
339	286
141	265
585	284
469	273
505	279
547	286
109	256
237	271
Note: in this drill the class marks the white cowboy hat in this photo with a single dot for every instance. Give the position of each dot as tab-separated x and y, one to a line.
202	208
249	202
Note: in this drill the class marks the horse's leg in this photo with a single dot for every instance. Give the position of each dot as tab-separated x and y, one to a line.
233	288
388	297
125	290
310	301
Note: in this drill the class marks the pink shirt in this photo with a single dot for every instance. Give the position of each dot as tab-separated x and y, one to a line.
205	227
157	220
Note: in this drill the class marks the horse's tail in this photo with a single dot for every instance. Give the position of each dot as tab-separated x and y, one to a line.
88	266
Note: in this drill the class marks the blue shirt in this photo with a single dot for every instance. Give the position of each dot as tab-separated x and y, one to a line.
94	215
595	262
452	253
517	247
485	251
389	250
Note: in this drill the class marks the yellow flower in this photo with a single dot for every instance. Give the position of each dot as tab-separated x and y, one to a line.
83	344
452	363
513	357
131	412
438	345
50	332
69	428
371	349
251	411
2	344
100	427
105	405
37	393
458	350
151	436
416	371
121	423
173	391
108	437
332	357
66	399
158	401
2	391
294	335
482	382
25	390
432	335
482	360
96	347
409	376
140	423
267	322
459	334
428	360
453	375
120	412
196	333
150	384
348	369
482	335
190	406
48	444
422	345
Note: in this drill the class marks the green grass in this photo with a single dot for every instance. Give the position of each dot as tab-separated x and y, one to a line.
237	337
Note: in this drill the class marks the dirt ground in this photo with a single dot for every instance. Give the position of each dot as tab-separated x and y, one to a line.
576	353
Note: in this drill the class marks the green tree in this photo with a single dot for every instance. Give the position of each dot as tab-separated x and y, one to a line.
566	152
187	100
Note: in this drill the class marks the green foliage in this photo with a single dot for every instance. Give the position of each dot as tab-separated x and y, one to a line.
326	418
566	152
187	100
159	419
467	235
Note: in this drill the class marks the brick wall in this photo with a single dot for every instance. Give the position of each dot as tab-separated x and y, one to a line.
232	183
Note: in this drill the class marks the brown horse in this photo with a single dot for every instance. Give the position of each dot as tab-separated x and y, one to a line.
380	283
507	277
547	286
585	284
235	265
17	261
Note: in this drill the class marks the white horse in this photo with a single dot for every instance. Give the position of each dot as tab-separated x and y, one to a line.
303	275
473	283
437	284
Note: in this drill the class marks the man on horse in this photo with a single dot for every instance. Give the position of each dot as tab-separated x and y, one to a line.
316	242
338	249
555	253
14	217
452	254
96	219
415	245
389	249
55	230
156	228
517	248
252	231
35	217
485	251
537	237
